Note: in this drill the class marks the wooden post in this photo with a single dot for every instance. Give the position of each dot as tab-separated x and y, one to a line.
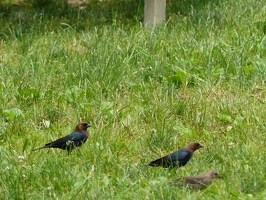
154	12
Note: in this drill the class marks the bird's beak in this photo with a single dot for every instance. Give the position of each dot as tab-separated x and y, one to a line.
200	146
88	125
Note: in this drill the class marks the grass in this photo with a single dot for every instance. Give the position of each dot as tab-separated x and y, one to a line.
147	92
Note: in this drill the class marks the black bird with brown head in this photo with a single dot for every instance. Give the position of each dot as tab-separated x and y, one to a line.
178	158
71	141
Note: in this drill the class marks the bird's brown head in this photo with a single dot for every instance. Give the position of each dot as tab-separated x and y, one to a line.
193	146
214	174
82	126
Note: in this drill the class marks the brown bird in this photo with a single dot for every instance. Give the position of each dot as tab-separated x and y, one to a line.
198	182
178	158
71	141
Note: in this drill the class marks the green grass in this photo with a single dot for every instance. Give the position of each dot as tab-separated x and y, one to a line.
147	92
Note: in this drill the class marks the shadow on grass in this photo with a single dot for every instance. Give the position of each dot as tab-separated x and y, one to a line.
53	15
184	7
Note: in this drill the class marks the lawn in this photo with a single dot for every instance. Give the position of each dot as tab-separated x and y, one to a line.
147	92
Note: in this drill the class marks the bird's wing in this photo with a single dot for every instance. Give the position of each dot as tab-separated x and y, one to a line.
166	160
194	179
175	156
202	179
74	136
181	155
190	182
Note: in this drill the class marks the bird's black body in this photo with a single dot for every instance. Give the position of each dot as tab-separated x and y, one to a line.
71	141
68	142
178	158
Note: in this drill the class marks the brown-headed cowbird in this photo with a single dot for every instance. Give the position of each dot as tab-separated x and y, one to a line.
71	141
178	158
198	182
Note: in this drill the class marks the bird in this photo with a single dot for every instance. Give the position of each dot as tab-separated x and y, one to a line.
198	182
178	158
71	141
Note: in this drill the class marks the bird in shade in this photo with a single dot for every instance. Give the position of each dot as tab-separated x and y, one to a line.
178	158
71	141
198	182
